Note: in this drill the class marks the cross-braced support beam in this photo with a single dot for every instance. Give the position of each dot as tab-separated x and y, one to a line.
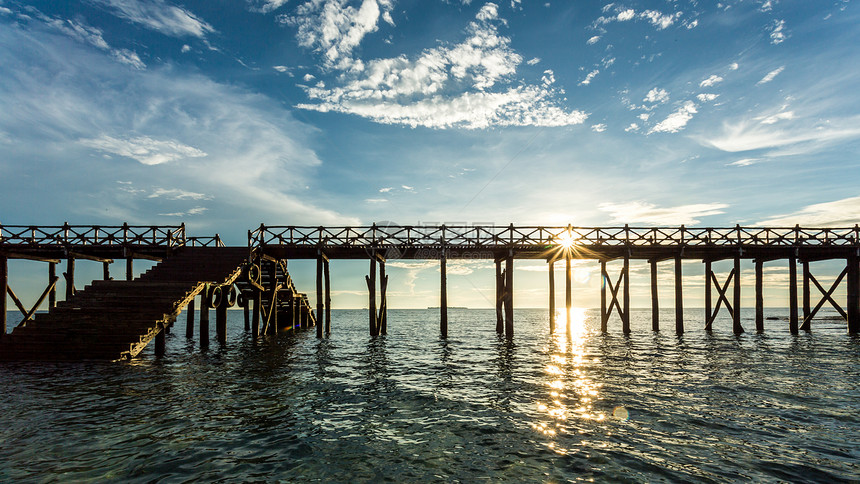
606	309
377	319
826	295
722	297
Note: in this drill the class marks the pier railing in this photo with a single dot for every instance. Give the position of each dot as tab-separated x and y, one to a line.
490	236
93	235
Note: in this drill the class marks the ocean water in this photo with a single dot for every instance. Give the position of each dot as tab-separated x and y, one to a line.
411	407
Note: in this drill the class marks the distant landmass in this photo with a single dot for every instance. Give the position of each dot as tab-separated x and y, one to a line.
449	307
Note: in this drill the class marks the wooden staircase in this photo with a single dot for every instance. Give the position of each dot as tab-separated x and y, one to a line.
116	319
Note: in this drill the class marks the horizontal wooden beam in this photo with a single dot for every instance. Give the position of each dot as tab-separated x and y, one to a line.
78	255
18	255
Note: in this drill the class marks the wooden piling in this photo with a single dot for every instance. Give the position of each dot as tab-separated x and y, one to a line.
568	296
807	306
500	294
371	296
106	270
246	310
327	298
4	283
221	317
708	303
759	296
736	314
382	319
679	296
255	316
204	317
189	324
160	341
509	296
443	297
604	280
853	294
129	268
655	304
552	297
70	277
625	317
52	295
319	295
792	295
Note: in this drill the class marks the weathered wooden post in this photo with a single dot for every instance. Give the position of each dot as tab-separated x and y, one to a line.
204	317
759	296
106	270
552	297
604	314
382	319
4	283
129	267
272	317
443	297
221	317
853	293
327	298
792	294
625	318
655	304
807	306
246	310
708	302
736	315
500	296
52	274
255	316
509	296
189	324
679	296
319	293
568	293
70	276
160	340
371	296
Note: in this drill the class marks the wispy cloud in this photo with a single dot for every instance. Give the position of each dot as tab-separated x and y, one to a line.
266	6
161	17
622	14
714	79
770	76
144	149
656	95
178	194
589	77
838	213
777	32
650	214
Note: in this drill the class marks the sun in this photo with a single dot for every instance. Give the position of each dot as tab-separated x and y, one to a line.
566	241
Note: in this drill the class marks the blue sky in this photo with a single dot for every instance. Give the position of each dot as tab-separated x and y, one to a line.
225	114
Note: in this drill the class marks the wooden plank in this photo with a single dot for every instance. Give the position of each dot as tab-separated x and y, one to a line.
189	324
95	258
34	257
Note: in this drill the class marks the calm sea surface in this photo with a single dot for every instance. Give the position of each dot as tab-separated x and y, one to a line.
410	407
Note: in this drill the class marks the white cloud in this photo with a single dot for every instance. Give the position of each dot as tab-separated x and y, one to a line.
178	194
745	162
375	200
733	66
335	28
598	128
548	77
266	6
593	40
839	213
128	57
714	79
632	127
385	190
775	118
533	61
707	97
770	76
777	32
281	68
144	149
185	49
693	24
625	15
159	16
676	121
657	95
193	211
644	116
446	87
650	214
754	134
658	19
489	11
5	11
309	77
589	77
93	36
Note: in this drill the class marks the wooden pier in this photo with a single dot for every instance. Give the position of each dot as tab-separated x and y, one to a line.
504	244
111	319
116	319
